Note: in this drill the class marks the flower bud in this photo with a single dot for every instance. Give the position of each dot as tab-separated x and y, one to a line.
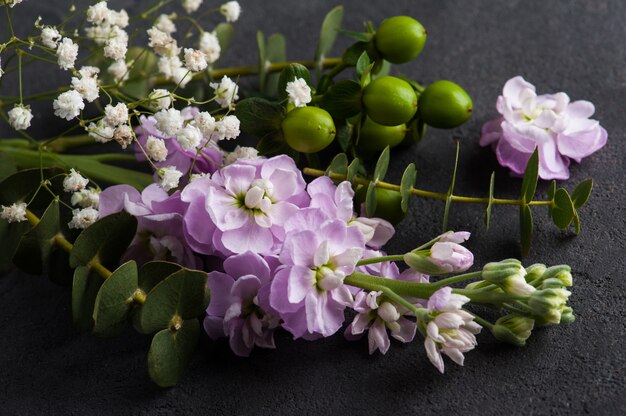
567	315
513	329
423	264
509	276
388	312
534	272
562	272
549	304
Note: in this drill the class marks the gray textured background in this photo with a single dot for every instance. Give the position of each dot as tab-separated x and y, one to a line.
46	367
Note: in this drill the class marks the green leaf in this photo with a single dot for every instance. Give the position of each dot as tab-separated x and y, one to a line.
381	68
581	194
260	43
446	213
170	353
153	272
406	184
85	287
526	228
382	165
343	136
446	210
339	165
276	52
360	36
531	175
353	53
563	211
21	186
259	116
34	249
343	99
224	32
328	33
289	74
490	203
114	300
370	200
274	143
576	223
10	235
182	294
106	239
7	166
354	168
362	63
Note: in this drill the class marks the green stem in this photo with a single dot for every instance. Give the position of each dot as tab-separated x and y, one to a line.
402	288
456	279
481	321
425	194
381	259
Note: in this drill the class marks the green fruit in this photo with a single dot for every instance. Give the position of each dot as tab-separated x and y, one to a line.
389	101
388	204
445	105
308	129
415	132
400	39
375	137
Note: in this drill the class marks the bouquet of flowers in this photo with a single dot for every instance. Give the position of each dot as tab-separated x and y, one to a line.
288	234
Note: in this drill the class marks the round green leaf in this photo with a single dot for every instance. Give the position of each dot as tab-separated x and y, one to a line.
152	273
382	165
582	192
85	289
406	184
338	165
35	246
370	200
563	212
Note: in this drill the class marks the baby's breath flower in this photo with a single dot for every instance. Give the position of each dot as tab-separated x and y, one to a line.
67	52
68	105
231	10
228	127
13	3
83	218
123	135
165	24
189	137
114	116
225	92
170	122
74	181
169	177
101	132
299	92
86	198
98	13
191	6
205	122
118	70
210	45
156	149
241	152
20	117
160	99
87	84
50	37
195	60
162	43
173	69
119	19
117	46
14	212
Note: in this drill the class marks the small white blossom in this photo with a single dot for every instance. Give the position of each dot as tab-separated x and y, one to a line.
173	69
99	34
160	99
114	116
119	19
162	43
118	70
68	105
86	198
101	132
98	13
67	52
87	84
241	152
231	10
206	123
210	45
20	117
195	60
225	92
228	128
117	46
169	177
299	92
74	181
189	137
14	212
13	3
165	24
170	122
89	71
156	149
1	70
50	37
191	6
83	218
123	135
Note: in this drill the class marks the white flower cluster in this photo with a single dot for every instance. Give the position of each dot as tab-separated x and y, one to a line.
231	11
87	84
169	177
87	199
299	92
20	117
241	152
191	6
14	212
13	3
225	92
210	45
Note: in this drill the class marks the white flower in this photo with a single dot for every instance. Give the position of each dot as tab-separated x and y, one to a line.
83	218
169	177
169	121
123	135
156	149
210	45
1	71
114	116
189	137
196	176
228	127
195	60
162	43
191	6
231	11
160	99
74	181
67	52
99	34
173	69
87	84
68	105
299	92
119	19
20	117
14	212
206	123
86	198
89	71
13	3
241	152
98	13
118	70
101	132
225	92
165	24
50	37
117	46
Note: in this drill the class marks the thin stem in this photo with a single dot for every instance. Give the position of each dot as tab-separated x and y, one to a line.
483	322
456	279
381	259
19	73
425	194
369	282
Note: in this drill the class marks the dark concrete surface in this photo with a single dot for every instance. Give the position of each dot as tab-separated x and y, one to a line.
46	367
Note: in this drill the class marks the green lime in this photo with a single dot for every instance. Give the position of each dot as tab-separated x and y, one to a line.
415	132
445	105
388	204
375	137
389	101
400	39
308	129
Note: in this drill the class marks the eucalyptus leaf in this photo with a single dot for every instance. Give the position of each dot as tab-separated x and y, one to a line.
581	194
260	42
114	300
371	200
531	176
338	165
576	223
224	32
490	203
153	272
171	351
360	36
344	136
382	165
526	228
353	53
274	143
343	99
85	287
10	235
362	63
275	52
406	184
291	73
328	33
259	116
146	63
21	186
563	212
354	168
446	213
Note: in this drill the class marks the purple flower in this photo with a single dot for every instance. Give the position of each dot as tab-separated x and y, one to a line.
159	223
445	256
308	291
562	130
239	305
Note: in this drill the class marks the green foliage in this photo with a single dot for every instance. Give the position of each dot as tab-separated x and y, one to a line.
563	211
259	116
382	165
354	168
343	99
406	184
353	53
85	289
526	228
290	74
146	63
446	210
531	176
371	200
328	33
114	301
152	273
271	51
581	194
224	32
338	165
490	203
